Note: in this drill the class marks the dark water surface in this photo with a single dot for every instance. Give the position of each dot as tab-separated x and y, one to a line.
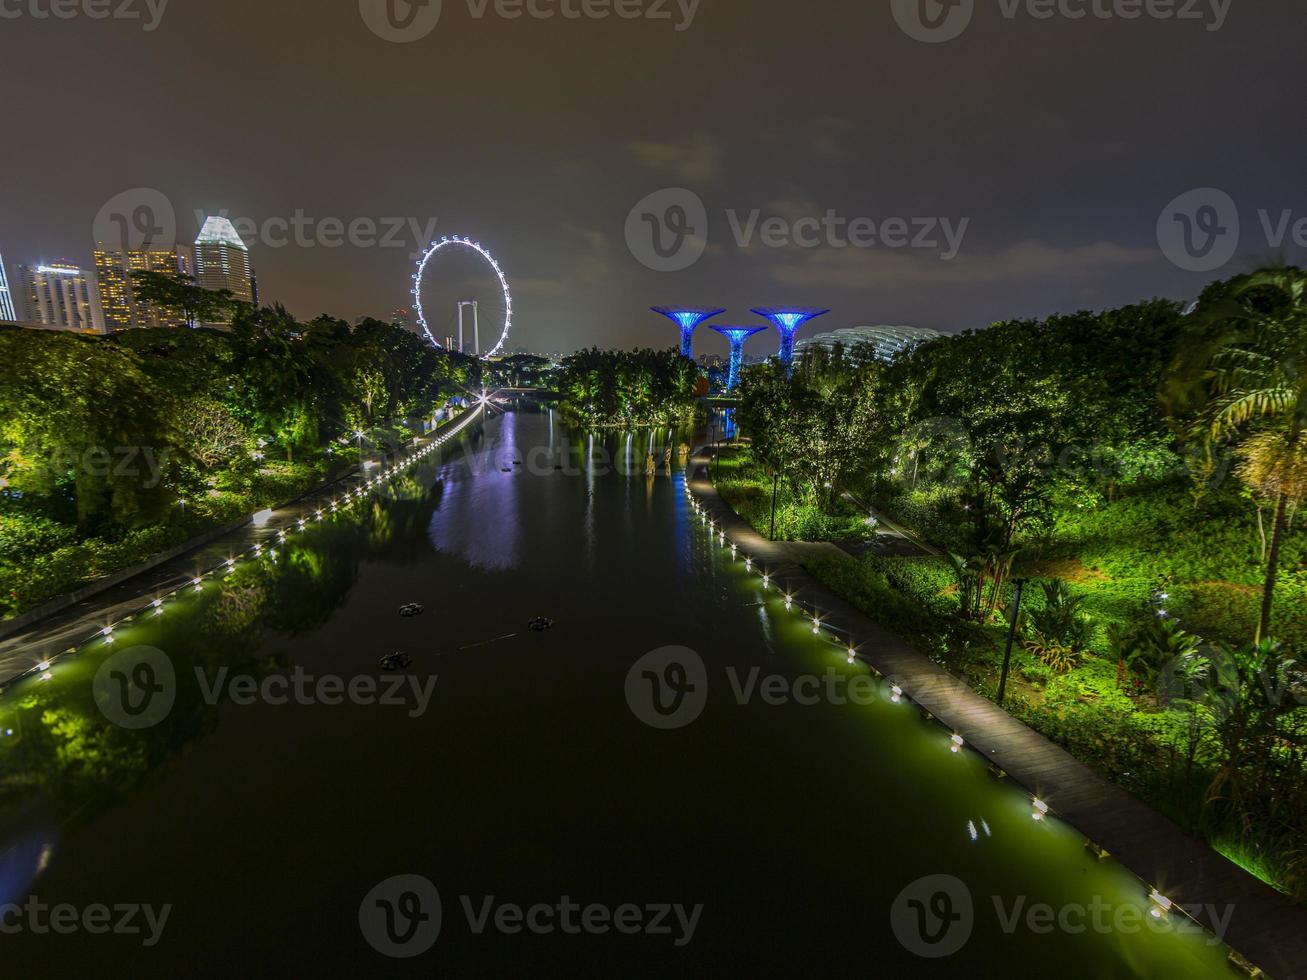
529	777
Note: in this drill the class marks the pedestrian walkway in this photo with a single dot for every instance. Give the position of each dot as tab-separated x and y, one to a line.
1265	927
74	626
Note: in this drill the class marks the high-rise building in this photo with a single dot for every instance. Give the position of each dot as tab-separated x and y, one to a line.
118	304
7	311
60	295
222	261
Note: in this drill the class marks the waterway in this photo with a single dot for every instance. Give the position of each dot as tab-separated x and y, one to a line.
516	770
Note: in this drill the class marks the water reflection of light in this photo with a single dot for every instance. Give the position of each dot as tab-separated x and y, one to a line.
478	487
21	863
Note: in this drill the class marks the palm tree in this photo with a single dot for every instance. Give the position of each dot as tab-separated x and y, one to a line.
1256	380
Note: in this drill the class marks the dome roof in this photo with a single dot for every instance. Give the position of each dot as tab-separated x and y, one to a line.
887	340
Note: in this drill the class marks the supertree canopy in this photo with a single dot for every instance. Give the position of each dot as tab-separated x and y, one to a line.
737	336
788	320
688	319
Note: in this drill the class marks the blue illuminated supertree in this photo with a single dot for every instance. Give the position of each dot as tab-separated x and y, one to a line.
688	319
737	336
788	320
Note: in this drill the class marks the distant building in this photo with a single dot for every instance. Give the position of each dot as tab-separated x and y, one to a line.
113	272
885	341
7	310
222	261
60	295
710	361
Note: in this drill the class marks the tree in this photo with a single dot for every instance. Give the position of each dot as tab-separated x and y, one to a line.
178	294
821	425
1254	394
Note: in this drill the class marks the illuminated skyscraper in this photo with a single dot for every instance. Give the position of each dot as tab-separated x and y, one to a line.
7	311
222	261
788	320
737	336
118	304
60	295
688	319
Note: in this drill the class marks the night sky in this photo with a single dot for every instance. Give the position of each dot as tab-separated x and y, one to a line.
1060	141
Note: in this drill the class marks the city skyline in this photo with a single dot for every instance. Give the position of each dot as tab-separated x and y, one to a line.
1034	170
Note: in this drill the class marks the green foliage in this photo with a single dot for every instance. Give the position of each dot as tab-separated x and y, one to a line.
745	485
181	300
103	438
820	426
1150	646
1044	446
1059	621
628	388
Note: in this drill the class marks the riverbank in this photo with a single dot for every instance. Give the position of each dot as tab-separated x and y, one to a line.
64	631
1119	701
1266	927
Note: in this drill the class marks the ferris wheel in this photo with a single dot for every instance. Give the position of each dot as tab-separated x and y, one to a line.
496	299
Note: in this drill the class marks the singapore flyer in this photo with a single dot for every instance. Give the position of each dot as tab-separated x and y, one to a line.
460	294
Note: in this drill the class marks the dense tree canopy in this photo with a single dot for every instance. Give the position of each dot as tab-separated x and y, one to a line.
142	431
628	388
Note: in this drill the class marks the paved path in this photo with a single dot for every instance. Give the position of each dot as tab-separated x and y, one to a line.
893	538
1265	926
73	627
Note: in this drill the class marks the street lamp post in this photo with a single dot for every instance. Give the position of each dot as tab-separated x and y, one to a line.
775	486
1011	635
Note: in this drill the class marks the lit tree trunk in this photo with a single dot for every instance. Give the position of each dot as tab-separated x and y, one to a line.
1272	563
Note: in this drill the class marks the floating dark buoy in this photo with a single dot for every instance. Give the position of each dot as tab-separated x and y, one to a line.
540	624
412	609
396	661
